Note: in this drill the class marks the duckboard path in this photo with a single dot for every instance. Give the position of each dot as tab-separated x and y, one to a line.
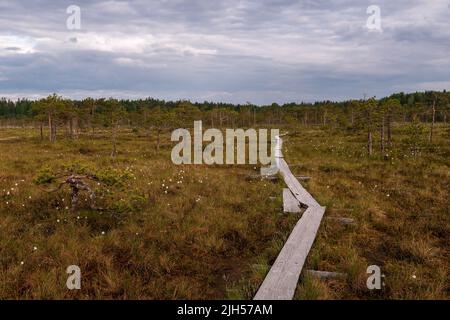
281	280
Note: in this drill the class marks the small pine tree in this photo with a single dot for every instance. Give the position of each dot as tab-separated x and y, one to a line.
415	137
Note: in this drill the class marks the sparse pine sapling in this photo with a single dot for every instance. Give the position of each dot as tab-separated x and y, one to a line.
415	133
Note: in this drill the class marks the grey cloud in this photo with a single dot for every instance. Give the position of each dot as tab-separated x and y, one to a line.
12	49
259	51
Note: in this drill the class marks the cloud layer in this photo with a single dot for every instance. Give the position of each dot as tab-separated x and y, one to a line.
234	50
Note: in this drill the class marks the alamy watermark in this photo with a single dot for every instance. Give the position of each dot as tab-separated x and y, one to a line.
374	20
191	151
374	281
73	22
74	280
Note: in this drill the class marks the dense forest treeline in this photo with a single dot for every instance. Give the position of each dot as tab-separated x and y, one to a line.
367	115
409	105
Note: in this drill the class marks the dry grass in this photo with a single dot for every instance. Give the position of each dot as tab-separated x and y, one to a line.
215	234
199	240
401	207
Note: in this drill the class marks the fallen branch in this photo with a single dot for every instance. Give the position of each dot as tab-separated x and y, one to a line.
76	184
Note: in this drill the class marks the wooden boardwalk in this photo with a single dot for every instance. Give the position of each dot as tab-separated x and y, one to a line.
281	281
290	203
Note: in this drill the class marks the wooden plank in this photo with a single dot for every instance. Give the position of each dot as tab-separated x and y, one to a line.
290	203
269	171
345	221
303	178
323	275
281	281
262	177
303	196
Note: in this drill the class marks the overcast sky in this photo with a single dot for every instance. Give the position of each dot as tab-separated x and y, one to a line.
230	50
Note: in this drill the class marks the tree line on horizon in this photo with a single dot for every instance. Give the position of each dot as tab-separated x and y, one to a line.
366	115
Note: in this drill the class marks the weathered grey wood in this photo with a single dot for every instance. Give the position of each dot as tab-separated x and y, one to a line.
269	171
290	203
323	275
263	177
303	178
303	196
281	281
345	221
